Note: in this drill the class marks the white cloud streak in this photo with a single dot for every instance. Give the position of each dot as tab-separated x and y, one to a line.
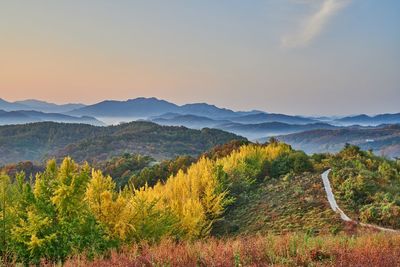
313	25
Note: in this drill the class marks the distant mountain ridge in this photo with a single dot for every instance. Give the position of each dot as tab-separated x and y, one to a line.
249	130
255	131
207	110
37	105
383	140
272	117
136	108
30	116
253	124
144	108
371	120
10	106
191	121
44	106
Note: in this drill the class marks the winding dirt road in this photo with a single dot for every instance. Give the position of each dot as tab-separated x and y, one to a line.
335	207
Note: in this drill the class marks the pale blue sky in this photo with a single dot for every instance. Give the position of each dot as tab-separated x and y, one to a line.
291	56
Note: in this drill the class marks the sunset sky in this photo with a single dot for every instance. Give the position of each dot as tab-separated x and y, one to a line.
291	56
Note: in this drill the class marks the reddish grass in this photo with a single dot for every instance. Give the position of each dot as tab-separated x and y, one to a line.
290	250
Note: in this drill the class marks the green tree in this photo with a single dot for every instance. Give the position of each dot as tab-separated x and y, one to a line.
56	222
7	217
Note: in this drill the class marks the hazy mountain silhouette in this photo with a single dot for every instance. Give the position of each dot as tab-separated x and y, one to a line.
249	130
10	106
37	105
28	116
383	139
266	129
272	117
187	120
195	115
136	108
207	110
371	120
44	106
145	108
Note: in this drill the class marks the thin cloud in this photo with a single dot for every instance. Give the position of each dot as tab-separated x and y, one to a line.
313	25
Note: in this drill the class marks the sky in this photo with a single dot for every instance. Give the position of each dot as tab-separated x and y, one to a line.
308	57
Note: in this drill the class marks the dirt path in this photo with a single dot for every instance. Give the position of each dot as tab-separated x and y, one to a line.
335	206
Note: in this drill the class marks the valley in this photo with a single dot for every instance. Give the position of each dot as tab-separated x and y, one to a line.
311	134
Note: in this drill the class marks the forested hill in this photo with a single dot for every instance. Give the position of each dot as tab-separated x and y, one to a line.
39	141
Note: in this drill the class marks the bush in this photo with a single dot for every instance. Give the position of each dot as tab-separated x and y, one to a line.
368	184
294	161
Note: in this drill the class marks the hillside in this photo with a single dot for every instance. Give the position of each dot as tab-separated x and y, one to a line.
241	190
268	209
383	140
39	141
367	187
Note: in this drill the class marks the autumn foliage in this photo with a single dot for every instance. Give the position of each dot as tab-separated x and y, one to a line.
70	209
72	213
368	250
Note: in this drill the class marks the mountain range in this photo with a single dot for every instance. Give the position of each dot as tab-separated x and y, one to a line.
262	128
143	108
304	132
154	109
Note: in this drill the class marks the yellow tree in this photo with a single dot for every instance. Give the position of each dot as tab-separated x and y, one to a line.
194	197
7	215
109	207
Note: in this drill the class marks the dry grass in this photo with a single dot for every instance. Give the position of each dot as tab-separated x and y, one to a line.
290	250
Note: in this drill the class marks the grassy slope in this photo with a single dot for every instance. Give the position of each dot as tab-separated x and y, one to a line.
290	204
